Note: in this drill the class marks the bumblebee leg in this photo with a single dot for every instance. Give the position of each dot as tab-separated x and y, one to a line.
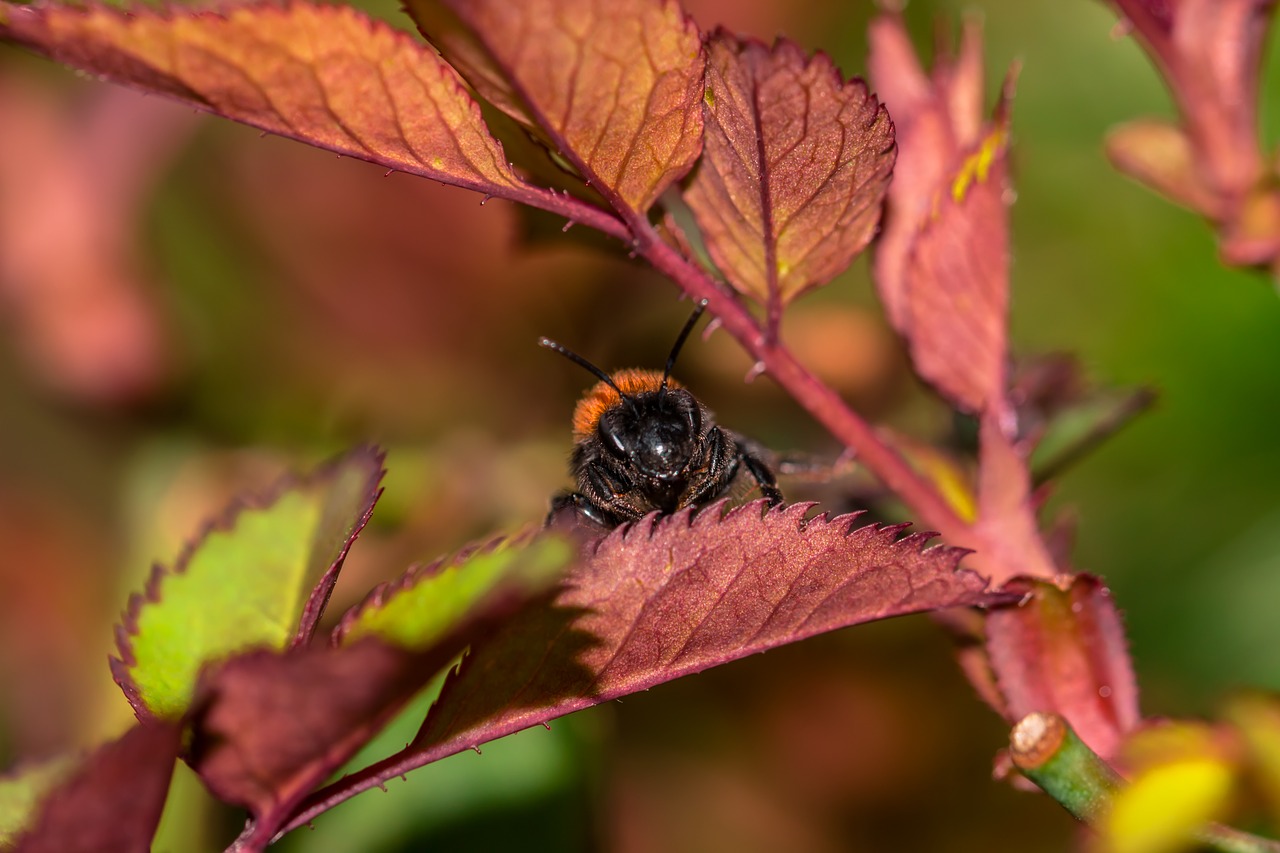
721	461
579	504
762	475
606	494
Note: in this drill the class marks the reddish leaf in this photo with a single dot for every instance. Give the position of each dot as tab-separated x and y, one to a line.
797	161
615	88
672	596
1064	652
269	727
942	267
113	802
935	117
326	75
1007	524
957	280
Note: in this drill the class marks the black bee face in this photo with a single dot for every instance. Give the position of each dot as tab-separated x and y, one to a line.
657	432
643	443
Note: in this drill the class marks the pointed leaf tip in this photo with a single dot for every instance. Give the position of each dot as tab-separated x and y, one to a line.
430	600
258	575
796	166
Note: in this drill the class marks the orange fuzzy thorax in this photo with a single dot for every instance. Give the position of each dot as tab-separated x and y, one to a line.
600	398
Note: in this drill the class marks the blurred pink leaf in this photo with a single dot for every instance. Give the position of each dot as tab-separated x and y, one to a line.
1064	651
796	165
942	265
934	118
113	801
1159	154
614	89
1209	53
942	268
74	174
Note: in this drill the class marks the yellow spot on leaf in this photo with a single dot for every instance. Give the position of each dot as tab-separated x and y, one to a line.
977	166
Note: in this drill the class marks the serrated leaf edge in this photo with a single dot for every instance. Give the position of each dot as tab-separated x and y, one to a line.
417	573
222	522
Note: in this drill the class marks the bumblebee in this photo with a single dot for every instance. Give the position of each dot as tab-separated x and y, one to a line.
643	443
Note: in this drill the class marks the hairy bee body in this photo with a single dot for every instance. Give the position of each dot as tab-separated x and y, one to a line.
643	443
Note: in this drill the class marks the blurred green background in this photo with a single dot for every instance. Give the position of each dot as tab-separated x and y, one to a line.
292	303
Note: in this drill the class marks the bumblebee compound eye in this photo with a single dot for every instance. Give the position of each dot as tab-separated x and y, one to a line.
615	433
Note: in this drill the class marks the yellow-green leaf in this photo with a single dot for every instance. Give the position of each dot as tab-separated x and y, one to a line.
430	602
257	577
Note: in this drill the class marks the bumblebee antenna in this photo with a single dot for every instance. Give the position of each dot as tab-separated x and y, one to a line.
684	335
582	362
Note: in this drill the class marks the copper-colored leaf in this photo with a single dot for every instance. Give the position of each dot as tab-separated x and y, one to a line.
1065	652
673	596
615	88
326	75
113	801
942	266
797	161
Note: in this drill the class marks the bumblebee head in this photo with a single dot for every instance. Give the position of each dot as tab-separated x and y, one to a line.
657	431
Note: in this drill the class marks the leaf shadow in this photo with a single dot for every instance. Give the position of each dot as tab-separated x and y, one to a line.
503	684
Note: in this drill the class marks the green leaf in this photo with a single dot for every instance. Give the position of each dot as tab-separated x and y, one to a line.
257	577
432	601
